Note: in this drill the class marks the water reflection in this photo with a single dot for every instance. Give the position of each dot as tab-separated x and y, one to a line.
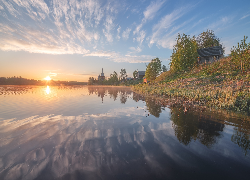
47	90
113	92
241	137
119	140
190	127
154	107
14	90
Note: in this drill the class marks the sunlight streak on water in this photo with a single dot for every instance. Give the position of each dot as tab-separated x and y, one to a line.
47	90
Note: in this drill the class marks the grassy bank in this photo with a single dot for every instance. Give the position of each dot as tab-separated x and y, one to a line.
219	85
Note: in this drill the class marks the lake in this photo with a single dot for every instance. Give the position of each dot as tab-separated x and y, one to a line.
88	132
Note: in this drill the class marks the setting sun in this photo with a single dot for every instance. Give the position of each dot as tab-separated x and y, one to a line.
47	78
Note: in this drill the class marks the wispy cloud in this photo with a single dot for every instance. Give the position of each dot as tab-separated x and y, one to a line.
118	32
61	27
117	57
222	23
109	25
149	14
135	50
165	24
243	17
126	33
152	9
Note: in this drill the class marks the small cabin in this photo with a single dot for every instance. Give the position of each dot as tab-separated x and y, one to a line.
210	54
140	74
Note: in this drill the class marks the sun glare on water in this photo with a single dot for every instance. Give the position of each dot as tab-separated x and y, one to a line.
47	90
47	78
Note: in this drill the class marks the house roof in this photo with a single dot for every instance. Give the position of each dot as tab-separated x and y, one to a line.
141	72
211	51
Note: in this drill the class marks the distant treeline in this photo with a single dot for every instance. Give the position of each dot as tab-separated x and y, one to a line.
23	81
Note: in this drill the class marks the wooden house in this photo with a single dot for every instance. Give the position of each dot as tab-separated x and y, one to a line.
210	54
140	74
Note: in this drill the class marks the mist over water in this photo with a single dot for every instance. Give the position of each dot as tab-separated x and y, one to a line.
91	132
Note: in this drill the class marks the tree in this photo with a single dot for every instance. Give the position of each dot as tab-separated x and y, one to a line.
91	81
184	54
153	69
207	39
241	55
113	78
123	74
135	74
164	68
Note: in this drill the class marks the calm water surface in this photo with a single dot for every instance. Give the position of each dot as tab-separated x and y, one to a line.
112	133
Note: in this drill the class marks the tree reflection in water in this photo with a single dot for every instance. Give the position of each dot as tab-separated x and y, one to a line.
196	126
153	107
190	126
241	137
113	92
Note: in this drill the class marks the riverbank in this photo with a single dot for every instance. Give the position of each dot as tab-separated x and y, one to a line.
215	85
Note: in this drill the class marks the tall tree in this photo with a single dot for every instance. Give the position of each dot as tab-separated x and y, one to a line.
113	78
184	54
153	69
123	74
91	81
207	39
135	74
164	68
241	56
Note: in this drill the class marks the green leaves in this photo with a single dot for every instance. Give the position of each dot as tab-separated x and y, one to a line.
153	69
241	56
113	78
207	39
184	54
135	74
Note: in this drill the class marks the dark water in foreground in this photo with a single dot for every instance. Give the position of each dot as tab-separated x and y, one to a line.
112	133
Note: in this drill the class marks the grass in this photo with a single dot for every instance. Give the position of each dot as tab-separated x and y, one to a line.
220	85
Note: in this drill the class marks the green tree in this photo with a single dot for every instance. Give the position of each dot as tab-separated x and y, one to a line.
91	81
207	39
164	68
123	74
113	78
184	54
153	69
241	56
135	74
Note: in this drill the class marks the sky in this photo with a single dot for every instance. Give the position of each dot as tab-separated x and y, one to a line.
74	39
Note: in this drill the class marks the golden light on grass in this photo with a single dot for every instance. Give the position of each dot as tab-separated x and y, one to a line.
47	78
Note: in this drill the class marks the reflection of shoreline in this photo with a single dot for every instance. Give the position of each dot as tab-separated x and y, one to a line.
113	92
205	126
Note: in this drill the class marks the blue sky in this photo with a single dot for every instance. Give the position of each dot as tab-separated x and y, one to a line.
74	39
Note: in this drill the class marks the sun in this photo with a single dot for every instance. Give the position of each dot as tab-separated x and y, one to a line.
47	78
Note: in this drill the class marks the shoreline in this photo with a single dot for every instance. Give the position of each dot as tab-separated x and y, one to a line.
212	85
